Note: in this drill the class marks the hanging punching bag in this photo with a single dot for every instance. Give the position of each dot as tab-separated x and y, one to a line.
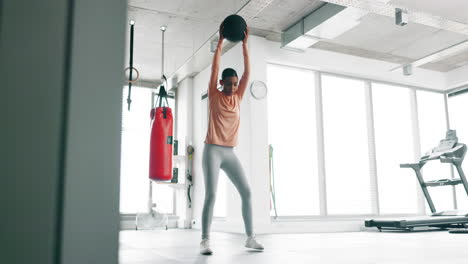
160	158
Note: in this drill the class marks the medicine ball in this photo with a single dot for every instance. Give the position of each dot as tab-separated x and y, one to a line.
234	27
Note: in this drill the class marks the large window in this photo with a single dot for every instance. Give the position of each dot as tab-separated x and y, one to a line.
134	179
292	133
346	147
349	178
432	127
458	109
394	145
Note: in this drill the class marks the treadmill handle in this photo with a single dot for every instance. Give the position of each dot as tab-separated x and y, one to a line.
410	165
450	159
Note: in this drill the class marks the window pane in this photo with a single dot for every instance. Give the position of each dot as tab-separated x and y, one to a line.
394	145
292	133
346	147
432	127
458	108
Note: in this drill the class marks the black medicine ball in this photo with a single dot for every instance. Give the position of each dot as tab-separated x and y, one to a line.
234	27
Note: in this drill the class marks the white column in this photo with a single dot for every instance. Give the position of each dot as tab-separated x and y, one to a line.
372	150
259	157
320	145
452	172
184	136
416	145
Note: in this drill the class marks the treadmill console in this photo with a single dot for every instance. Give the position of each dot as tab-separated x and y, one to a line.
446	146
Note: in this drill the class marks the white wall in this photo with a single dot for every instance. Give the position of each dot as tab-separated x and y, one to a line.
457	77
253	138
199	83
184	134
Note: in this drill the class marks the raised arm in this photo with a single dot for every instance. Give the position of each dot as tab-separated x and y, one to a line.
246	75
212	86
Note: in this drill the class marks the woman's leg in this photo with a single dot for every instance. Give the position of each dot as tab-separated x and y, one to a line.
211	162
233	168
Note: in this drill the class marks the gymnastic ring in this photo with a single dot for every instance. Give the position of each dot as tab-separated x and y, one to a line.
137	72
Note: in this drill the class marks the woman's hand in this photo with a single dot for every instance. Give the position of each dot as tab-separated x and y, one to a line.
246	36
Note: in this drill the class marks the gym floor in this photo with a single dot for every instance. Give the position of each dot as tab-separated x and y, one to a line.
181	246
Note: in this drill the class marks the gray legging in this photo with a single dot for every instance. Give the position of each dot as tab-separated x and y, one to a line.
217	157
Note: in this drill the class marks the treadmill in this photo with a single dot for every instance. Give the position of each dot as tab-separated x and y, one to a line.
448	151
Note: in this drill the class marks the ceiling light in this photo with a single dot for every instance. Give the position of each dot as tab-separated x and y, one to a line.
407	69
401	17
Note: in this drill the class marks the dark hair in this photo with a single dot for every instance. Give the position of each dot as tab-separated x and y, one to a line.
228	72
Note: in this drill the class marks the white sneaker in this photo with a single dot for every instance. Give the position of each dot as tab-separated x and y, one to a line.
205	247
252	243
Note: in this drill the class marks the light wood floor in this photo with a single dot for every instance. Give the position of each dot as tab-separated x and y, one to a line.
181	246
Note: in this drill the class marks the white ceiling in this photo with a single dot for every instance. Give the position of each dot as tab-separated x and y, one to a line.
189	25
192	23
280	15
456	10
380	34
378	37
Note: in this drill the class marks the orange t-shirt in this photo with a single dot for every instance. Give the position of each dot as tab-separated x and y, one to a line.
224	119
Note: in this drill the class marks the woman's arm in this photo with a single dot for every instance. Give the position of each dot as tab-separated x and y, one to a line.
212	86
246	75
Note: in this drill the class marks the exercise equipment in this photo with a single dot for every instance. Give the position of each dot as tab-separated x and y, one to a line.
234	27
449	151
152	219
160	158
131	68
461	230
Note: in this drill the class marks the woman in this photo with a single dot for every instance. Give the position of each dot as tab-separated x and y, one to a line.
220	141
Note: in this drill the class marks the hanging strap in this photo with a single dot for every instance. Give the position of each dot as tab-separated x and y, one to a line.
162	95
165	112
129	100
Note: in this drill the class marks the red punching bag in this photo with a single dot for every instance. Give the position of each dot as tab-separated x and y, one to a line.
160	158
